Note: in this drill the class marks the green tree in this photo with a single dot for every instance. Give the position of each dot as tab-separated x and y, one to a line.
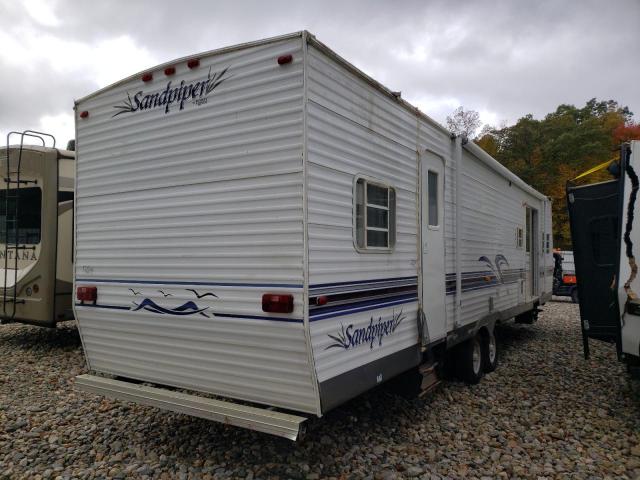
547	153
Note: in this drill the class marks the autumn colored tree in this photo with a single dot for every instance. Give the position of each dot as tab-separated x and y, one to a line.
626	132
547	153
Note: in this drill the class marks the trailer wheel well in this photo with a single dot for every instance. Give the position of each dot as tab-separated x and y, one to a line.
484	333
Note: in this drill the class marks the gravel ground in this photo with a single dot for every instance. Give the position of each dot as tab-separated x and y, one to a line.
545	413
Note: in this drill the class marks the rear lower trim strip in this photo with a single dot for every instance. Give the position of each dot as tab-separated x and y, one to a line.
253	418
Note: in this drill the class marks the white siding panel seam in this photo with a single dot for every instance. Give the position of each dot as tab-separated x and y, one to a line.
305	199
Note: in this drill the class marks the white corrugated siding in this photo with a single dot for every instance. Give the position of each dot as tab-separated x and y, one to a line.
208	198
353	129
492	209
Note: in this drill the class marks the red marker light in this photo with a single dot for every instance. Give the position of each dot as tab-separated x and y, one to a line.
277	303
193	63
322	300
169	70
284	59
147	77
84	114
87	294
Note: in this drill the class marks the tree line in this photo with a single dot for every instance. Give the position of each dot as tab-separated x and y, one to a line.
548	152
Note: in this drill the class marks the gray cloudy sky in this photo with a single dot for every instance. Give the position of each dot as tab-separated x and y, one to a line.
502	58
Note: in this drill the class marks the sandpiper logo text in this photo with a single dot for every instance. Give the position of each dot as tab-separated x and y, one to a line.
372	334
195	93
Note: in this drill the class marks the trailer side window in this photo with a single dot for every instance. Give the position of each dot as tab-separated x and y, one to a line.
64	196
519	237
375	215
548	244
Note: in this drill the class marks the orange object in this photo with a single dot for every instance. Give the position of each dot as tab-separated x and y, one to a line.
569	279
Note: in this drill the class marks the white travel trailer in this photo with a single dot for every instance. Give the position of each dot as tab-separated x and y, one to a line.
267	223
605	246
36	231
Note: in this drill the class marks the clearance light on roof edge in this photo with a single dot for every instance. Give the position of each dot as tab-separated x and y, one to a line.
284	59
169	71
193	63
84	114
147	77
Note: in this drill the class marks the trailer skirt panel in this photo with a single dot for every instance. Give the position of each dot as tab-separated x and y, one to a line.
338	390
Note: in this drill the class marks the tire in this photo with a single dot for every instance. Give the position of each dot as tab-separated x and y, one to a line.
574	295
489	352
469	361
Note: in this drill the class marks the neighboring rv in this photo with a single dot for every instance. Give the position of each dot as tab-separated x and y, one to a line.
564	275
605	245
269	224
36	232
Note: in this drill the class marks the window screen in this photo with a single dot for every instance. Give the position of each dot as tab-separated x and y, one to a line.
432	196
27	224
375	215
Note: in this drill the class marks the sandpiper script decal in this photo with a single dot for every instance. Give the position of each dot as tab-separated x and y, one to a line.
372	334
195	93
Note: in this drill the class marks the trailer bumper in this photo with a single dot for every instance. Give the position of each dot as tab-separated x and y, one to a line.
252	418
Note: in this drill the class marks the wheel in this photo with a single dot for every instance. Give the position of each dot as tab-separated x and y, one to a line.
489	352
469	361
574	295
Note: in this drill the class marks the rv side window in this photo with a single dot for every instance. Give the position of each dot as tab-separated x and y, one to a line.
375	212
519	237
432	191
27	225
548	244
64	196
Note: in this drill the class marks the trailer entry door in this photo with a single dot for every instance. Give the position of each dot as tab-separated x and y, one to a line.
532	255
432	231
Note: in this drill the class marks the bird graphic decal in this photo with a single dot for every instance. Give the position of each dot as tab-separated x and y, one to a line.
201	295
188	307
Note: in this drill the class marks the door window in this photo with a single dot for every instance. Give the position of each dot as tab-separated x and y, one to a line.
432	198
527	231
